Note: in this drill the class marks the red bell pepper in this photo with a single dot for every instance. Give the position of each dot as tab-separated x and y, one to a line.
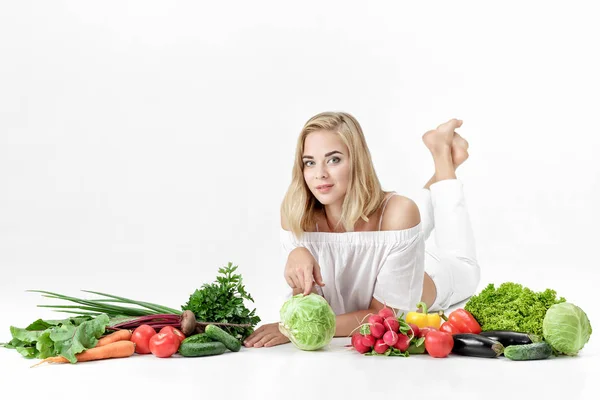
460	321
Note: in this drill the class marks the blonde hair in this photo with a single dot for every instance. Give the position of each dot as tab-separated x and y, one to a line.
364	194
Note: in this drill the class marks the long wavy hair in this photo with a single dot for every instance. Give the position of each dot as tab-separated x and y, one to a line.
364	194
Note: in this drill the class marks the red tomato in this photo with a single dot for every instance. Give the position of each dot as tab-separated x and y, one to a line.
438	344
164	345
141	337
423	332
171	329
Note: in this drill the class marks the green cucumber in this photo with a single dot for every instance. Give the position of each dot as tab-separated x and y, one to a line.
201	349
218	334
524	352
198	338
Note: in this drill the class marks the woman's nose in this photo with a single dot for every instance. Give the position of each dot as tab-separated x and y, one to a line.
321	173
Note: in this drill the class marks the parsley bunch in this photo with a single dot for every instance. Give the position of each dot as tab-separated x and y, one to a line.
512	307
223	301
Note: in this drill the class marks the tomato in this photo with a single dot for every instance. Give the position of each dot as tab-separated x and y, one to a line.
171	329
141	337
438	344
164	344
423	332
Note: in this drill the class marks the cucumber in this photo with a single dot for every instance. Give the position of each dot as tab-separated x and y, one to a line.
198	338
218	334
201	349
524	352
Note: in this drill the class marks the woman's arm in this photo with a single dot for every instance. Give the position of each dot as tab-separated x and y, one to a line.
345	324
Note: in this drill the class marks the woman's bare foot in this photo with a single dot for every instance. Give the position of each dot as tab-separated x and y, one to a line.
441	138
459	150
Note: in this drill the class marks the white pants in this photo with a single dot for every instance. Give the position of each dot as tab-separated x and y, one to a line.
451	260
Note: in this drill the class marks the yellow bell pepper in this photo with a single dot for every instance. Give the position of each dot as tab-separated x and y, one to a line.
422	319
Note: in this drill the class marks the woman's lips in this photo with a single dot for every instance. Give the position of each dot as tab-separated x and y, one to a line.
324	188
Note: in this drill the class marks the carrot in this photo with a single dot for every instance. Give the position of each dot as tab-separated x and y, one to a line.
122	348
121	334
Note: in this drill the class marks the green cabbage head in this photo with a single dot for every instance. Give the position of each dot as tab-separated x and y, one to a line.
308	321
566	328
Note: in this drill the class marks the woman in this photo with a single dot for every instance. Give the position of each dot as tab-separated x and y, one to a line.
362	248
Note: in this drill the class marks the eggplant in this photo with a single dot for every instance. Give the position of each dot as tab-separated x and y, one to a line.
474	345
510	338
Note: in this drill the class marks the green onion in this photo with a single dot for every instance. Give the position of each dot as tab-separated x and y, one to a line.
102	305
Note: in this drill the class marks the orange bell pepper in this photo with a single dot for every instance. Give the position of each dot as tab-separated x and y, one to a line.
423	319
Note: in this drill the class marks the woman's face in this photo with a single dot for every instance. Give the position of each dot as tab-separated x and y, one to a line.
326	166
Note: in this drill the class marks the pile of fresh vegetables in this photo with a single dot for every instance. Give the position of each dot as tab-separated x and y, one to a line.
105	328
512	321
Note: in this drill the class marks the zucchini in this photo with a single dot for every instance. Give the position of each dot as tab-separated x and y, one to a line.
218	334
525	352
474	345
510	338
198	338
201	349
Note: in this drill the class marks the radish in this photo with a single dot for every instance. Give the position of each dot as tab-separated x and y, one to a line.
416	330
391	324
358	345
380	346
368	340
375	318
386	312
390	338
403	342
377	330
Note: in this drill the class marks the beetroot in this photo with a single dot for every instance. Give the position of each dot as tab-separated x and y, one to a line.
377	330
390	338
391	324
380	346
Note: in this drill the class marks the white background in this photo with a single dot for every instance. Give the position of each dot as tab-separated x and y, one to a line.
145	144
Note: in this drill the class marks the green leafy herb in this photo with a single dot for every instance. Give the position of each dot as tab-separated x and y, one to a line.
511	307
68	337
223	301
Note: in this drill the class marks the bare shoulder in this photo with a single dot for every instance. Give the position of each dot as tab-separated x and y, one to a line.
400	213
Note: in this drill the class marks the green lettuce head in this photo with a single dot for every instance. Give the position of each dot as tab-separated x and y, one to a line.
566	328
308	321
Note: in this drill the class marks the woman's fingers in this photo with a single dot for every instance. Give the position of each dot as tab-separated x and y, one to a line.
318	276
308	283
276	341
264	340
290	281
300	279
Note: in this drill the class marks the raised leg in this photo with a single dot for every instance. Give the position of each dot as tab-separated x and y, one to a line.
454	253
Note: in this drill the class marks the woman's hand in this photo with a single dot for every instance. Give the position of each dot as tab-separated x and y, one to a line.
301	270
267	335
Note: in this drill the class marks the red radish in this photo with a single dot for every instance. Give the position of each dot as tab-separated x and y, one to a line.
403	342
358	345
390	338
368	340
380	346
391	324
416	330
386	312
375	318
438	344
377	330
423	332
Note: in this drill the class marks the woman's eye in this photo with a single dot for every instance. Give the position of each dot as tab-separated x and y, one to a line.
308	163
335	160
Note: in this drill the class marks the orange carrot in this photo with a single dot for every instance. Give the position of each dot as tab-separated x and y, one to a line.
122	348
121	334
